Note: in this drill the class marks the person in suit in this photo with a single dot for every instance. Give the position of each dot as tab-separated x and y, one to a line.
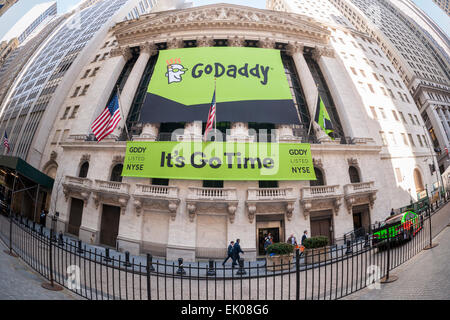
229	252
305	236
236	250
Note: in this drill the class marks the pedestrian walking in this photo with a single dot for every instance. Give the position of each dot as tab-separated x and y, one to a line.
392	212
305	236
42	218
229	252
236	250
292	240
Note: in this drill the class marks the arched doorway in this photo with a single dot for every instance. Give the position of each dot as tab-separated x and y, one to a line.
418	181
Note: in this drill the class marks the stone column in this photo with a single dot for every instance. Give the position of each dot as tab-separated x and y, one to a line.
149	132
439	130
347	100
445	123
129	90
306	79
239	132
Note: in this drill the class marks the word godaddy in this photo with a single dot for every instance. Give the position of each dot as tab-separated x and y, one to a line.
199	160
232	71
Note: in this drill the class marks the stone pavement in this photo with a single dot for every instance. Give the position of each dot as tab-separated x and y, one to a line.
19	282
425	277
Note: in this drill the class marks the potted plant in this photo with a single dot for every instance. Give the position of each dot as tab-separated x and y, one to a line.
279	256
316	249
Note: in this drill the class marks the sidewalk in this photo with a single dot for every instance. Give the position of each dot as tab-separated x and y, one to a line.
424	277
20	282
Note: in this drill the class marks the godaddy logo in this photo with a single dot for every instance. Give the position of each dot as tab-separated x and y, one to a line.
175	70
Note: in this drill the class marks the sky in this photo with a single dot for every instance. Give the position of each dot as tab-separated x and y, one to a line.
8	19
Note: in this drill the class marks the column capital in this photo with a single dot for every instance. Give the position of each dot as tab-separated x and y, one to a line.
205	41
322	51
149	48
267	43
294	47
122	51
236	41
175	43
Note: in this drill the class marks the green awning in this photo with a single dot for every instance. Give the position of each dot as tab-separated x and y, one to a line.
26	170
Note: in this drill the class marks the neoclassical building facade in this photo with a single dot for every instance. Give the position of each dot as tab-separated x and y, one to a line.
357	178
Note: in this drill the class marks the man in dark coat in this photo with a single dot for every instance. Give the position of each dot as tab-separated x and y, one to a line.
236	250
229	252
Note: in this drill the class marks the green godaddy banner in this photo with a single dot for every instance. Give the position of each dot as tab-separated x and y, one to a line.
251	86
219	161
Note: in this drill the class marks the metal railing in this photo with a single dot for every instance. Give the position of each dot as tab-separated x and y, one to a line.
102	274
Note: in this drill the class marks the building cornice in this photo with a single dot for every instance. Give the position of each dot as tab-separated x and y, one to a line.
220	20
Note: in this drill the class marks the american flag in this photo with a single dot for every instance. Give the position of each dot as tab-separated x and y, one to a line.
107	121
6	142
211	116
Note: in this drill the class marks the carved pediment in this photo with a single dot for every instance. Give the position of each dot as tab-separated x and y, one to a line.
220	16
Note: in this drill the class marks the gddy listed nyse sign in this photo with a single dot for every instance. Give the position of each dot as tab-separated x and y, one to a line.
219	161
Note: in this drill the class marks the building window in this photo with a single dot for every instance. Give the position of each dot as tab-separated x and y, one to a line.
417	120
320	178
212	183
354	175
160	182
85	89
116	173
402	116
96	58
420	140
84	170
395	115
74	112
76	92
411	140
405	141
268	184
94	73
382	113
86	73
393	138
66	112
383	138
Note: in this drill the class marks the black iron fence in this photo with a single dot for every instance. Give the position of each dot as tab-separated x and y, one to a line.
102	274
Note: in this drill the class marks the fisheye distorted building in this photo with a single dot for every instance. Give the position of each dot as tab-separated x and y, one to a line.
378	158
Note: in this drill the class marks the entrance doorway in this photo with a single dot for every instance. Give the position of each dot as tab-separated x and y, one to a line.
76	213
273	224
361	219
322	225
109	228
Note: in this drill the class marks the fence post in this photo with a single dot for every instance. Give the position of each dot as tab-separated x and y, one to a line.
149	268
431	245
211	271
127	259
107	258
349	248
241	269
388	278
297	274
80	250
51	286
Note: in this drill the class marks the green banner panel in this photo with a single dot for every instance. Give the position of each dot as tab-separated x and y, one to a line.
251	86
219	161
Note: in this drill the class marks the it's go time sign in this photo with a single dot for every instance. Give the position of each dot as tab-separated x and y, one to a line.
218	161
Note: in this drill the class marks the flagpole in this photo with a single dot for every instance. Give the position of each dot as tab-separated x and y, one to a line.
215	115
315	110
122	114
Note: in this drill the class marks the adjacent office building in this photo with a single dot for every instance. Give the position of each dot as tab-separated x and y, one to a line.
444	5
5	5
